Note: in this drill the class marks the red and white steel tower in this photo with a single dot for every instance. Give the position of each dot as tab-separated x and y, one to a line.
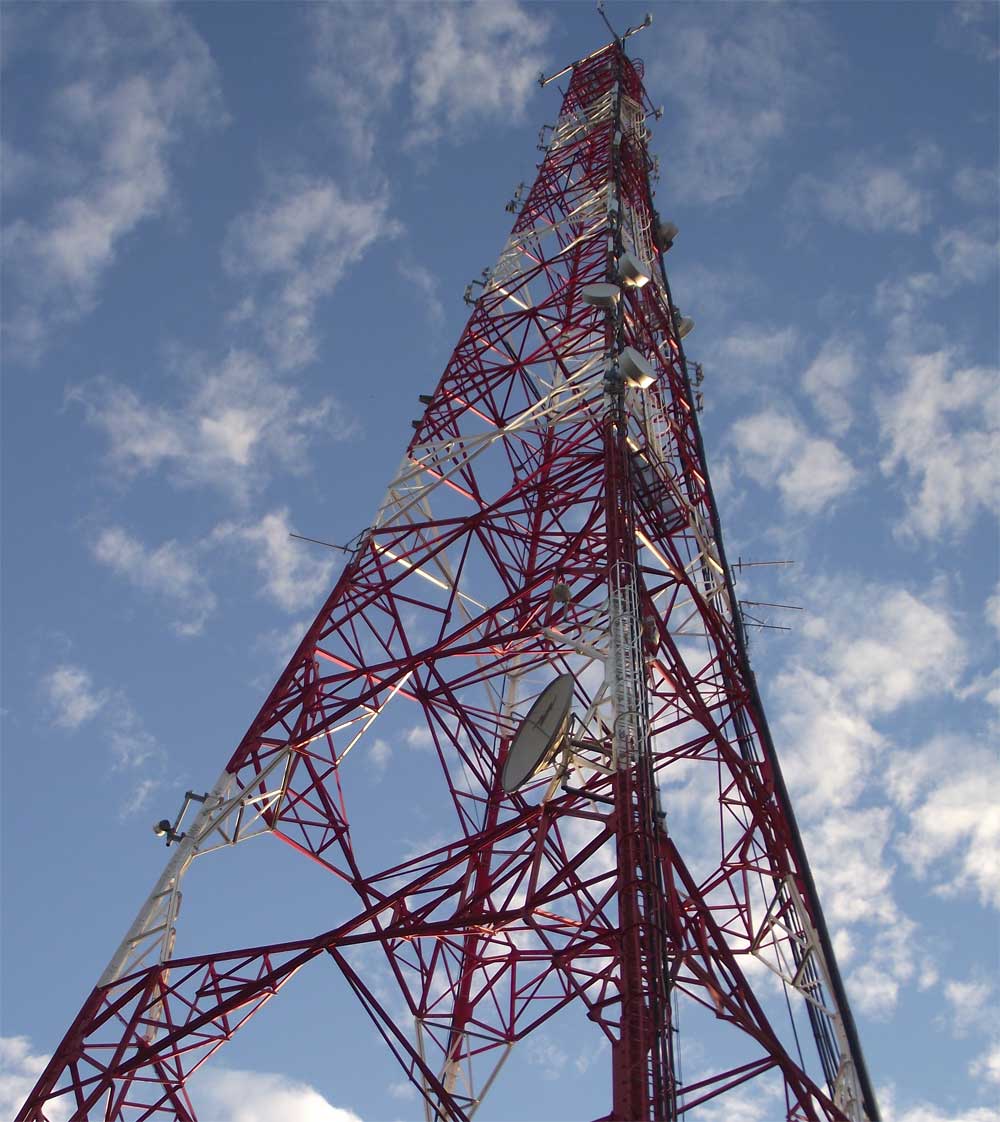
552	518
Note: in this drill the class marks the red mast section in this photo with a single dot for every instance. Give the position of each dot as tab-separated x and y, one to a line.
552	516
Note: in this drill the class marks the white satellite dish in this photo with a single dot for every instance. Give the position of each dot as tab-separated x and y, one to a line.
540	733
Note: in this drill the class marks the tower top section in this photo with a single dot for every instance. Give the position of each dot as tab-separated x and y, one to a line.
617	43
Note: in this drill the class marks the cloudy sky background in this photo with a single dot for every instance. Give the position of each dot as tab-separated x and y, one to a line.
235	243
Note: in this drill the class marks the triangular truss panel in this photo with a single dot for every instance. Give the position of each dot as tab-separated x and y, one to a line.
551	516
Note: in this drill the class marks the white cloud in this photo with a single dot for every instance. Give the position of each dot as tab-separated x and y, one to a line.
776	449
71	694
426	284
474	61
903	303
947	790
19	1071
970	26
295	573
222	1095
928	1112
168	571
968	254
543	1052
142	78
760	1100
993	611
131	744
848	858
896	960
18	168
828	380
734	92
236	424
138	798
901	649
986	1066
358	65
403	1089
867	194
380	754
279	644
759	346
976	186
228	1095
832	747
455	66
301	241
940	428
877	649
419	736
970	1004
717	294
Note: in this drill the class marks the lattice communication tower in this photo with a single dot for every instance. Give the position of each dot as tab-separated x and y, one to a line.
549	543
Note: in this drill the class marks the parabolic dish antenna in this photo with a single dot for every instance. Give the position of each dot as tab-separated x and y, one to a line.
540	733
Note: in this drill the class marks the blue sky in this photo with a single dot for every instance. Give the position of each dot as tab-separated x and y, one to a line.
236	239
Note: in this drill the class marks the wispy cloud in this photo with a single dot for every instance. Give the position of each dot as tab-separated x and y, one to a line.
970	1004
928	1112
18	168
379	753
828	380
902	646
993	611
940	431
295	574
227	1095
222	1094
453	67
947	790
472	62
142	78
986	1066
426	285
976	186
236	423
297	244
358	64
902	303
543	1052
759	346
968	254
735	89
169	571
874	651
748	359
883	648
972	27
72	700
776	449
868	193
20	1068
71	696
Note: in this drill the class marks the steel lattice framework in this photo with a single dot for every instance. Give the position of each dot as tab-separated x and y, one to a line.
549	516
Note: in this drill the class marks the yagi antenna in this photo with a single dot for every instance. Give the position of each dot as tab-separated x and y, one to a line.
741	564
